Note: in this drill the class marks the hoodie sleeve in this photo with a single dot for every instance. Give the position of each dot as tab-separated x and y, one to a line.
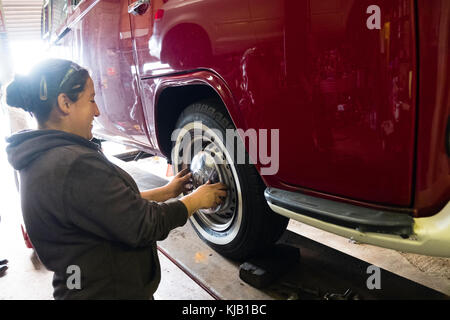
99	201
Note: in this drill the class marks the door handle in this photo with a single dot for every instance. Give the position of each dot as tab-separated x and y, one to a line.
138	7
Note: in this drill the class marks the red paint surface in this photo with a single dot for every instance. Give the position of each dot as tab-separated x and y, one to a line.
433	166
343	97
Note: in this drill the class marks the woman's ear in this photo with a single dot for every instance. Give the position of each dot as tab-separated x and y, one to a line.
64	103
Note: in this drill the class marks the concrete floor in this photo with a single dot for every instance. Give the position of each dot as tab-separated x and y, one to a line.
220	275
431	272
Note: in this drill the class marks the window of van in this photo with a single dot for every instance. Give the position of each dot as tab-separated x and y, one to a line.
59	14
45	20
54	14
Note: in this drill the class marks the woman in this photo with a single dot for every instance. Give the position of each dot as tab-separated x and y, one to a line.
84	215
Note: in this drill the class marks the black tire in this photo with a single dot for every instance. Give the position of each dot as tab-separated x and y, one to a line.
252	226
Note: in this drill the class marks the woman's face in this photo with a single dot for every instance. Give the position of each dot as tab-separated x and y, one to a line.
83	112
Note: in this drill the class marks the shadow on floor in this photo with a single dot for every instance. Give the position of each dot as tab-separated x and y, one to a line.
323	270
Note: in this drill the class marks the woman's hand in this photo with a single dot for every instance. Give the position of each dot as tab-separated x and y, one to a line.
180	183
205	197
211	195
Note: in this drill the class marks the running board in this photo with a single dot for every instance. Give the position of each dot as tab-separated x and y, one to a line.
346	215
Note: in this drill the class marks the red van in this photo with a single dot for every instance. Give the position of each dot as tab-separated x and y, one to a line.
342	106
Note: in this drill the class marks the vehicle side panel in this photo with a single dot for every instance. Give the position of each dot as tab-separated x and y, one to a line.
341	95
102	42
433	163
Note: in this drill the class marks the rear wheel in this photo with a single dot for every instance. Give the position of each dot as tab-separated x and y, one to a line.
243	224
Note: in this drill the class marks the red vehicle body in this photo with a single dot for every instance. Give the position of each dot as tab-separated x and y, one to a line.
362	113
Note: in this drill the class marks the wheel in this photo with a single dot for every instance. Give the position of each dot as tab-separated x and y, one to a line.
243	225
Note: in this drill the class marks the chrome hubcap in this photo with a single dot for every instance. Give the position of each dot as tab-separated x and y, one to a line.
210	163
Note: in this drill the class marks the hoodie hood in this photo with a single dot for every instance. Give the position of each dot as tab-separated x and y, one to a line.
28	145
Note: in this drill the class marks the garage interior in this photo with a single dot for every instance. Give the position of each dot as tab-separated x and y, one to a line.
329	264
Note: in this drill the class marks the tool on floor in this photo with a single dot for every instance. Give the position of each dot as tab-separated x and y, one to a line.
347	295
262	270
300	292
3	267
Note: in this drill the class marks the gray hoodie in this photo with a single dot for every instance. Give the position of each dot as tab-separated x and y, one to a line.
85	216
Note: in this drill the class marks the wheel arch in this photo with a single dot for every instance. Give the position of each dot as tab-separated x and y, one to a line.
174	94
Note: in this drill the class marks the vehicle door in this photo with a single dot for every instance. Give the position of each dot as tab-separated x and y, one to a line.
342	94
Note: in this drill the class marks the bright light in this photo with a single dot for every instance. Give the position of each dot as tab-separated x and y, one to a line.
26	54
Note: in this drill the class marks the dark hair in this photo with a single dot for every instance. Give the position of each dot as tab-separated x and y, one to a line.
38	92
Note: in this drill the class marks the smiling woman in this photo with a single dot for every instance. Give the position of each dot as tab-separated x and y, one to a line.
53	83
75	114
81	211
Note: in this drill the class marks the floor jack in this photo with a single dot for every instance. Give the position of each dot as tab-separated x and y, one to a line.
263	270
